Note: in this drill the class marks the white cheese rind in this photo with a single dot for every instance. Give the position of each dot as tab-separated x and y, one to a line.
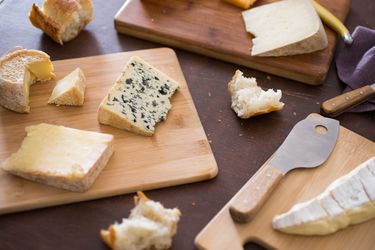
287	27
139	99
59	156
348	200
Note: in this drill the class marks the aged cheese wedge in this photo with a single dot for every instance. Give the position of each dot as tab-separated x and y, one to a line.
139	99
19	69
287	27
248	99
70	90
348	200
61	157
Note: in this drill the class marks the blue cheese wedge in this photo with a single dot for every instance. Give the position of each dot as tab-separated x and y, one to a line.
70	90
348	200
139	99
61	157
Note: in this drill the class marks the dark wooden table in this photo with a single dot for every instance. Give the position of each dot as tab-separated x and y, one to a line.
77	226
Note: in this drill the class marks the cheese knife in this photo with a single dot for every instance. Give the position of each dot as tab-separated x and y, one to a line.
308	145
339	104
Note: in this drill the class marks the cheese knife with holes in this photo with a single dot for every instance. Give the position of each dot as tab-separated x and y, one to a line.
308	145
339	104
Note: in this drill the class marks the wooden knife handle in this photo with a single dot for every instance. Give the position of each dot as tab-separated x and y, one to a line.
339	104
254	194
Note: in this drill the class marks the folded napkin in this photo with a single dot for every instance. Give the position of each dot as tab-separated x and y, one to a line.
356	64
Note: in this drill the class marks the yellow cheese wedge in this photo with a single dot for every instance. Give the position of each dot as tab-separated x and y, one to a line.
62	157
19	69
70	90
244	4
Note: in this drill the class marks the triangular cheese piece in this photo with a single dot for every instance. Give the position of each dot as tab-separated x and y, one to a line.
287	27
70	90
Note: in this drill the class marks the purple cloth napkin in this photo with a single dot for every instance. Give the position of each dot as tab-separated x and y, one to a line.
356	64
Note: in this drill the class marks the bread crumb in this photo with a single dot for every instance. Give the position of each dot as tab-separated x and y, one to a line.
152	20
219	120
193	204
294	113
269	78
209	93
209	141
317	103
240	135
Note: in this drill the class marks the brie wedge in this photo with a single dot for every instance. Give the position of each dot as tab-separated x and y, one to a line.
348	200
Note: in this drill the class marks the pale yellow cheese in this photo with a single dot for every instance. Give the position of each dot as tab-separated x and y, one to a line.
70	90
60	156
19	69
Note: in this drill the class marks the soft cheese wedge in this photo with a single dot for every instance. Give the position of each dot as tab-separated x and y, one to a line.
149	226
70	90
348	200
286	27
19	69
139	99
248	99
61	157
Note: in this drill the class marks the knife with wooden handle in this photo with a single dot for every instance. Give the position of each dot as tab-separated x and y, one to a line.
308	145
339	104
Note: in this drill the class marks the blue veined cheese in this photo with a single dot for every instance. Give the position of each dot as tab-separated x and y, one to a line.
139	99
348	200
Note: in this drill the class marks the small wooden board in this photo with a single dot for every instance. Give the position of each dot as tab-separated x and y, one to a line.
178	153
215	28
297	186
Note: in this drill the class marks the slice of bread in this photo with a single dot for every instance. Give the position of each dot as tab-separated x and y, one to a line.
61	157
19	69
248	99
70	90
62	20
149	226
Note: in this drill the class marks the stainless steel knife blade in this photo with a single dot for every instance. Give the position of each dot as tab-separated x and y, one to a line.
308	145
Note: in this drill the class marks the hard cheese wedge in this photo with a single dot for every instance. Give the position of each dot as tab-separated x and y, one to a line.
348	200
287	27
70	90
62	157
19	69
139	99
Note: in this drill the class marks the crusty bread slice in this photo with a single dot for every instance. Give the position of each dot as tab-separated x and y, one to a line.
62	20
248	99
19	69
70	90
61	157
149	226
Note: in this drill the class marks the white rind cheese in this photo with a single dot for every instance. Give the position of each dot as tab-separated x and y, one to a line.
248	99
139	99
19	69
348	200
70	90
286	27
61	157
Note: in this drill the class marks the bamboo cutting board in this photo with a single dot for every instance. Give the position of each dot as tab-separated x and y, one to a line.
178	152
297	186
216	29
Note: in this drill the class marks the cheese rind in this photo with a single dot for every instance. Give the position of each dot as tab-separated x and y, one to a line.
283	28
348	200
62	157
19	69
70	90
139	99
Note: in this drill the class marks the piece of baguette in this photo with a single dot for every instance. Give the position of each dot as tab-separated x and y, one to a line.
62	20
149	226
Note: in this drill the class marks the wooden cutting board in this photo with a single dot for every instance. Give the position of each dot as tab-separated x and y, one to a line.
178	153
297	186
216	29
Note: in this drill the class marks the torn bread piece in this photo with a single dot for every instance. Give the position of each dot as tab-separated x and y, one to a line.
248	99
139	99
70	90
348	200
149	226
62	20
19	69
61	157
